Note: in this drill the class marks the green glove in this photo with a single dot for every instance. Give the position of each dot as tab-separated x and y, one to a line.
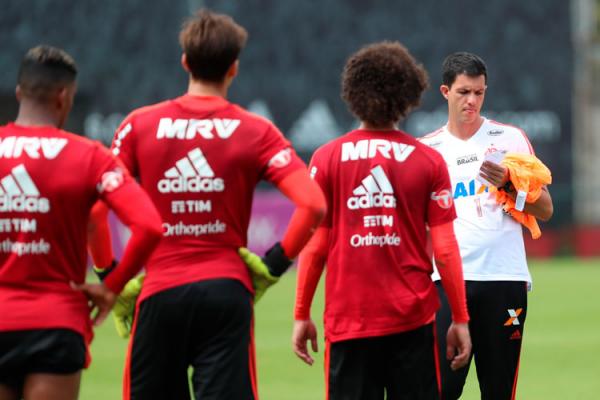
124	309
259	271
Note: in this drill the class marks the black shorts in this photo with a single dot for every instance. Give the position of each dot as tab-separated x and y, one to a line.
206	325
47	351
498	310
399	366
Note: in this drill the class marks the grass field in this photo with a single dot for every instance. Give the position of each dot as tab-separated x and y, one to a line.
560	357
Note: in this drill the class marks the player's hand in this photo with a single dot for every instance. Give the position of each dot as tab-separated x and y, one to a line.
259	271
124	310
495	174
101	299
303	332
458	345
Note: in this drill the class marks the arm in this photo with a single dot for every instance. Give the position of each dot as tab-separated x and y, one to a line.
449	263
310	207
310	210
310	268
135	209
98	237
542	208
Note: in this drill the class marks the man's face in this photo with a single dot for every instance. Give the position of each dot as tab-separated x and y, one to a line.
465	98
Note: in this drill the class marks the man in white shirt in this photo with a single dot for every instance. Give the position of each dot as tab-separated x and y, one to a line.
490	241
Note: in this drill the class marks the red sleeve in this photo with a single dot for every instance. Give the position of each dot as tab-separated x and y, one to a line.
135	209
310	208
449	264
276	156
441	201
318	172
99	239
310	268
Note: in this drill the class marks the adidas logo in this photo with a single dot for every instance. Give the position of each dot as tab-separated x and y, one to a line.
18	193
516	335
374	191
191	174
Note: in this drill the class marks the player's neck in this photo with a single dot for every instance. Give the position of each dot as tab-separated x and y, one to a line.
35	114
464	130
202	88
370	127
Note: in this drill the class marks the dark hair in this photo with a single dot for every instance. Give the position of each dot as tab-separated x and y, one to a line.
43	70
382	82
211	43
462	63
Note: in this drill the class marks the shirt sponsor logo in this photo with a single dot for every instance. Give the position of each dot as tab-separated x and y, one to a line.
182	229
17	225
110	181
369	148
443	198
25	248
513	316
374	191
34	147
18	193
466	159
281	159
372	240
370	221
191	174
190	206
190	128
491	149
495	132
470	188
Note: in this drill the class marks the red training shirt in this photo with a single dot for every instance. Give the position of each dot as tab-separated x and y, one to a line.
49	181
200	159
382	188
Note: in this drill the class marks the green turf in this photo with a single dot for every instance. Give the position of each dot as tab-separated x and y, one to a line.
560	358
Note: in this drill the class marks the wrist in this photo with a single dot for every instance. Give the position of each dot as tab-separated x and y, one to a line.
102	272
276	260
508	187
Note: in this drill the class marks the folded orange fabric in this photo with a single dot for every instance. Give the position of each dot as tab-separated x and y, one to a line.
527	174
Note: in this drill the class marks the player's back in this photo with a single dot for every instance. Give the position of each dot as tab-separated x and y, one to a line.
380	186
200	159
48	181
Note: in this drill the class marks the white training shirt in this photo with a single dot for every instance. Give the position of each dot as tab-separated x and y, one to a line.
490	241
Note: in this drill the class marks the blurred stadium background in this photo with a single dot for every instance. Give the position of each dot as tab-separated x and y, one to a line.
544	76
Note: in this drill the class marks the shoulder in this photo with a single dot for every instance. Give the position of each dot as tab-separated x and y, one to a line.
507	131
86	144
257	121
148	110
435	135
430	154
495	128
328	149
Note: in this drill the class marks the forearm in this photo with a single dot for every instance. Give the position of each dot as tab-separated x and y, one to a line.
449	264
542	208
98	236
136	211
310	209
310	268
